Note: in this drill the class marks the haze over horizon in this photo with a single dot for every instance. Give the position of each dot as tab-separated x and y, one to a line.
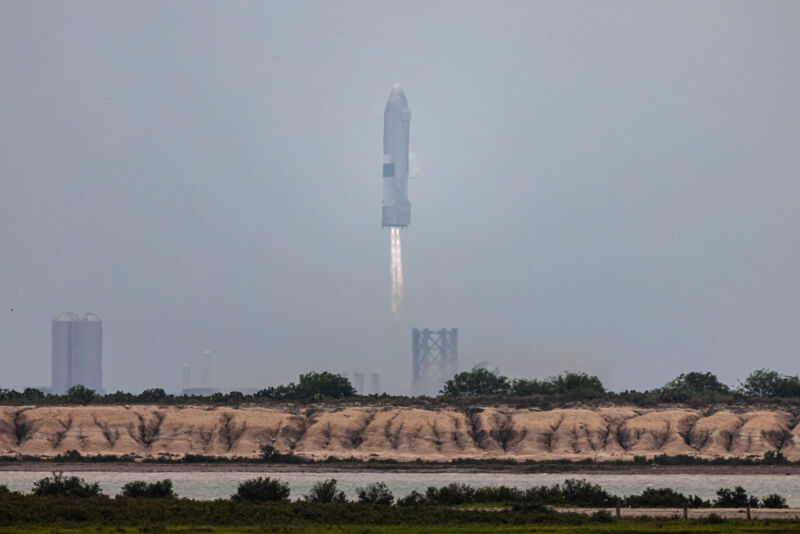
610	187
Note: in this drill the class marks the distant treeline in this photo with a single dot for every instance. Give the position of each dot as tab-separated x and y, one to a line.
572	493
268	455
694	388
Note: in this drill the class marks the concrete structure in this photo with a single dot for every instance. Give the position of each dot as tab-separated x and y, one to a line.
208	369
186	376
375	379
358	382
396	122
435	359
77	352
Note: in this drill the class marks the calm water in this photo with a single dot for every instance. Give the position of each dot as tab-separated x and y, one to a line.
213	485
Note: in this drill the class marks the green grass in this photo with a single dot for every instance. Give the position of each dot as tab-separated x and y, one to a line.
620	527
64	515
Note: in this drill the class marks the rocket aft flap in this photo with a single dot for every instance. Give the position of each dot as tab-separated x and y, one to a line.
396	120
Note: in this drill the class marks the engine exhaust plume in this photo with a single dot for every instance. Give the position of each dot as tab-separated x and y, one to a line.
397	271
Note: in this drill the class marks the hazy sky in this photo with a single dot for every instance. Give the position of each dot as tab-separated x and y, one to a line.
604	186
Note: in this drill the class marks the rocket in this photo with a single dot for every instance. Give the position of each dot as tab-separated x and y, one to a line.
396	120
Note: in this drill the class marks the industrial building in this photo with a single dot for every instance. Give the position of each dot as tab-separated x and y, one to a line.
375	379
434	359
77	354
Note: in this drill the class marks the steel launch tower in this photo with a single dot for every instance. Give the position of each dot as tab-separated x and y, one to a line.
396	121
435	359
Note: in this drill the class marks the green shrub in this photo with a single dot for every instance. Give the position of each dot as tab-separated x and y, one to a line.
475	382
573	492
766	383
694	382
713	519
65	486
154	395
414	498
325	492
569	384
774	501
262	489
774	458
378	493
530	507
663	498
81	394
498	494
270	455
153	490
450	495
602	516
313	386
735	498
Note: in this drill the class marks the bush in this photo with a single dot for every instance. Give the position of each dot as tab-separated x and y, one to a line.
154	490
663	498
694	382
4	489
774	501
313	386
450	495
377	493
602	516
482	382
475	382
766	383
735	498
774	458
573	493
414	498
713	519
81	394
568	383
262	489
270	455
154	395
65	486
325	492
498	494
530	507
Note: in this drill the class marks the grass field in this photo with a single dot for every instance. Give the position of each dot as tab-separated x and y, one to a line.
63	515
620	527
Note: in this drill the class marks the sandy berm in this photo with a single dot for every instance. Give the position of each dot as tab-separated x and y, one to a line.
405	434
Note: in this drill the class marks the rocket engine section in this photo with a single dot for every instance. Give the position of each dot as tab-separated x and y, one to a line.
396	121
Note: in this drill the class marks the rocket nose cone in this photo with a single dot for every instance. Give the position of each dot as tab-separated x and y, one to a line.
397	97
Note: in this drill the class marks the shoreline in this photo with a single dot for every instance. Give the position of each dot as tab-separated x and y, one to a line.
567	470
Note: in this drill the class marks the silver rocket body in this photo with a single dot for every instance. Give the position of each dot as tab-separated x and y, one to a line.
396	120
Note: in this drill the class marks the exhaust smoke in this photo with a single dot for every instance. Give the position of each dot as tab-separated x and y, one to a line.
397	271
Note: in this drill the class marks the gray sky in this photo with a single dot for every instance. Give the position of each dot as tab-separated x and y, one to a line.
604	186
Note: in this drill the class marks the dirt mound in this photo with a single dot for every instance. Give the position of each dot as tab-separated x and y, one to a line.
713	435
658	432
761	432
398	433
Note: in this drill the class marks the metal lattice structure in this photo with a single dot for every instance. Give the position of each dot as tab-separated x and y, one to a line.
435	359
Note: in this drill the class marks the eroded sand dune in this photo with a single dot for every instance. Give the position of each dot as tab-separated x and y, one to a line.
399	433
